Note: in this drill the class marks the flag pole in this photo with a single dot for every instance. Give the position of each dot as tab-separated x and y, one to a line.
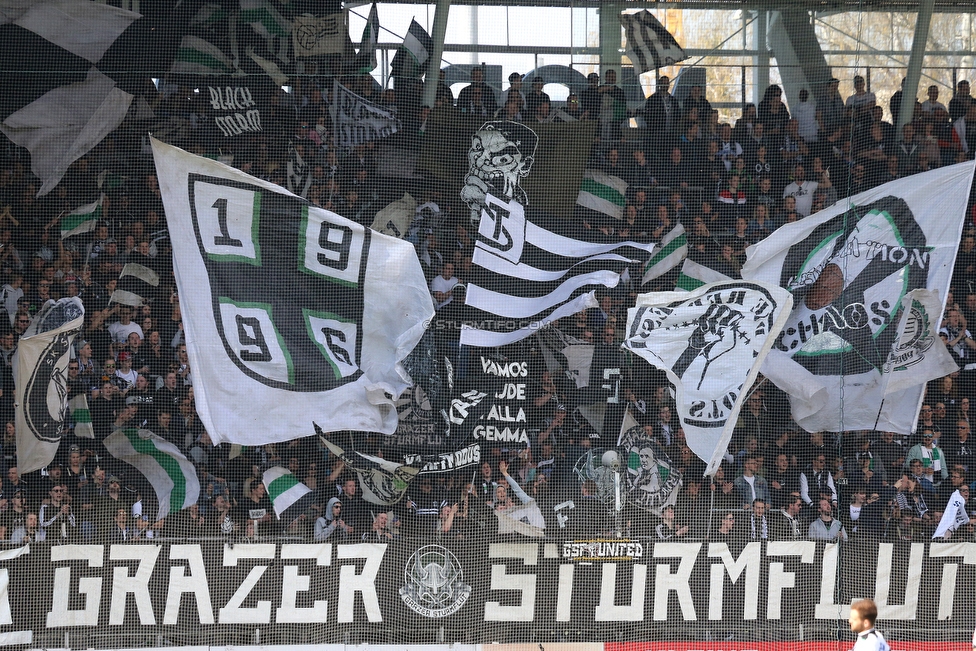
434	62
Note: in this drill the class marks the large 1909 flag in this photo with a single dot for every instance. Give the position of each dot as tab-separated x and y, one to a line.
40	378
291	312
710	342
649	45
526	276
849	268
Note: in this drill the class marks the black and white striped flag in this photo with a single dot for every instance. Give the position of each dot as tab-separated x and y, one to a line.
528	275
65	106
649	45
137	285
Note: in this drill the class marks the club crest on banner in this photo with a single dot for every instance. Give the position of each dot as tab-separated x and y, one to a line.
918	339
652	481
434	585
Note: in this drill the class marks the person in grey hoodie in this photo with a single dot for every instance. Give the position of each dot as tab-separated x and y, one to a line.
331	521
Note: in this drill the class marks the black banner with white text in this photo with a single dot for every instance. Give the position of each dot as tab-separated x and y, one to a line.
410	583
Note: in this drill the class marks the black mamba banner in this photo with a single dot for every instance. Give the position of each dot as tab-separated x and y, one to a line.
238	106
412	584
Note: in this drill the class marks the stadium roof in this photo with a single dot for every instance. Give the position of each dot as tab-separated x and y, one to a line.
770	5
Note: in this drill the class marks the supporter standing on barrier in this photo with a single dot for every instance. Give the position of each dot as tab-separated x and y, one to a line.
863	615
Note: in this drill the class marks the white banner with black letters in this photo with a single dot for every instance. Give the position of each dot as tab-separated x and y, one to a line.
356	120
291	312
710	342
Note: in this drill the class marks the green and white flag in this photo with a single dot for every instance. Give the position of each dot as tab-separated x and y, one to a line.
289	496
603	193
170	474
81	417
672	250
695	274
850	268
199	57
81	220
411	57
366	57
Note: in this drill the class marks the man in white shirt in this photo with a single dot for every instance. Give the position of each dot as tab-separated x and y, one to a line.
442	286
806	116
728	149
933	102
802	190
121	329
862	99
863	615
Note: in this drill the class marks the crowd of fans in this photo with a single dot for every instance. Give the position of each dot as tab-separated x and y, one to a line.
728	184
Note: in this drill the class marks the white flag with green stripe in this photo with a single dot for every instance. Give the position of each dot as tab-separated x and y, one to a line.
289	496
672	250
81	220
694	275
604	193
81	417
264	18
199	57
170	474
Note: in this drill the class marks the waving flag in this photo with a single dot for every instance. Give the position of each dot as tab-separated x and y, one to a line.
652	482
953	517
81	417
264	18
411	59
602	193
315	35
199	57
305	312
81	220
356	120
671	251
649	45
40	377
366	57
527	276
383	481
137	285
66	106
710	342
849	268
289	497
172	476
